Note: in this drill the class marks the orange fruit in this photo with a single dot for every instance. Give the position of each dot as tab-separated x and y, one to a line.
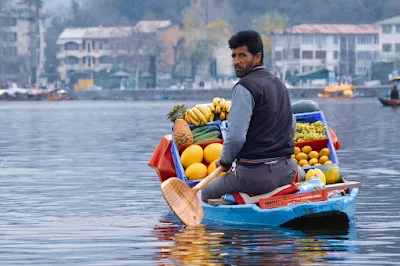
325	152
211	167
303	162
328	162
212	152
301	156
313	161
306	149
296	150
306	165
323	159
313	154
192	154
196	171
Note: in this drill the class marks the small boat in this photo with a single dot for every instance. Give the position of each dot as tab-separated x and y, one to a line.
386	101
339	208
58	98
344	91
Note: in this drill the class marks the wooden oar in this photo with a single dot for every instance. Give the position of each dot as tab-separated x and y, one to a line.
349	184
183	199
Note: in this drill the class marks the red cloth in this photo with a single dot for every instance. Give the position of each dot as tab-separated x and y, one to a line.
162	161
335	139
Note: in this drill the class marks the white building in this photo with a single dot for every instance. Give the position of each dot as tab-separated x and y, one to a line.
343	48
96	49
22	49
389	38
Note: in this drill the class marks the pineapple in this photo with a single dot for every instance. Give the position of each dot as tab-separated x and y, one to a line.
182	134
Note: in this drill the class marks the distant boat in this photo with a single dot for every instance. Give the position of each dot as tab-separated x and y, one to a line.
58	95
386	101
344	91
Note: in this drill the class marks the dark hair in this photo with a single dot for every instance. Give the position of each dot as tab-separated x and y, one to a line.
251	39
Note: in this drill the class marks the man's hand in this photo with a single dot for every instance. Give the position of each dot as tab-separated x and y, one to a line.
225	166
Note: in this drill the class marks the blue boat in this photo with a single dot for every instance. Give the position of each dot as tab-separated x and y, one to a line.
339	208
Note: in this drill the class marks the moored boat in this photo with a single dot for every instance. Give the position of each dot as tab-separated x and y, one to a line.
343	91
386	101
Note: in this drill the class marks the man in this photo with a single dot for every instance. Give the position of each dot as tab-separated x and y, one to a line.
394	93
260	133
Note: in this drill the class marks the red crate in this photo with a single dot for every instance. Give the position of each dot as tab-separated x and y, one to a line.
291	199
316	145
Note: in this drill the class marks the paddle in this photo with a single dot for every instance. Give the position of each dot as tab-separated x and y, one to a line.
183	199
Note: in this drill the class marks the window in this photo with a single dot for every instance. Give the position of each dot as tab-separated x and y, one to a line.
335	54
106	60
93	44
397	47
296	53
12	22
307	54
105	45
376	39
397	28
320	54
307	39
386	47
320	67
278	55
335	40
320	40
84	60
72	60
71	46
387	29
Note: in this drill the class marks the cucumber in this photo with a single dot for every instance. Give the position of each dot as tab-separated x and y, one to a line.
204	130
209	135
207	140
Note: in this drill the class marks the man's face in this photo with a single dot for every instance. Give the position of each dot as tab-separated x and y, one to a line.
243	61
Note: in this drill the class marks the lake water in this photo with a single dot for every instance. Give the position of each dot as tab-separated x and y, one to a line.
75	189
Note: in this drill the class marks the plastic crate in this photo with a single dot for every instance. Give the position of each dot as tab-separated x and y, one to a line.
317	144
180	171
292	199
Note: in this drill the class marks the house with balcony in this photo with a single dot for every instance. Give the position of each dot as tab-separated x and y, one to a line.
344	48
389	39
94	51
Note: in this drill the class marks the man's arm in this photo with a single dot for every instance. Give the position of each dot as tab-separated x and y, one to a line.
239	121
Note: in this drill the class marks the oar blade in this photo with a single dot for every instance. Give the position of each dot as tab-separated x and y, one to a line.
182	200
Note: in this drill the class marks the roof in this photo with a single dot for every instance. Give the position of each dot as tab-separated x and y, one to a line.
393	20
100	32
331	29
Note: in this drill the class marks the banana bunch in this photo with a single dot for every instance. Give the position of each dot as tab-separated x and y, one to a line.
199	115
221	107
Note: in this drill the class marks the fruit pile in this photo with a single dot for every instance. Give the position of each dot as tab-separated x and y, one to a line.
199	162
309	131
199	115
306	157
206	134
220	107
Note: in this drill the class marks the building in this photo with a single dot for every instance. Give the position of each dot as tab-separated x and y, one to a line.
389	39
22	49
345	49
94	51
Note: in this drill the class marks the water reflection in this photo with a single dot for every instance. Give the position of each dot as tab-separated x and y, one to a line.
241	245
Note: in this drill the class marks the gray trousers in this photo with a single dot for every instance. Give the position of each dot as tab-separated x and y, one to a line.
252	179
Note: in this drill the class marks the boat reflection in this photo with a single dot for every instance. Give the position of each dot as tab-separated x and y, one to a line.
239	245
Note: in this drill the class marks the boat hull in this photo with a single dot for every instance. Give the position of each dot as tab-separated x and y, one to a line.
251	214
389	102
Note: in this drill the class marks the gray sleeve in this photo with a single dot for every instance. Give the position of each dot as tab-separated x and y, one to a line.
242	103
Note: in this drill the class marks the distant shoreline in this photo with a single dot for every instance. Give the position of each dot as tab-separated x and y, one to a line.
153	94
